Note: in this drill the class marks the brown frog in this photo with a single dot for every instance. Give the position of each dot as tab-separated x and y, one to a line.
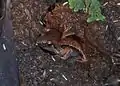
64	27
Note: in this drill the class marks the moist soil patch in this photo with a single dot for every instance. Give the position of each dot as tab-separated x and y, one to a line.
39	65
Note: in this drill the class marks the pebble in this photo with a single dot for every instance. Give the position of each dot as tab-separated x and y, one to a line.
53	58
64	77
4	47
105	3
118	4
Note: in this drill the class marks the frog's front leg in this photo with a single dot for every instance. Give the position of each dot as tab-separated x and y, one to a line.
73	45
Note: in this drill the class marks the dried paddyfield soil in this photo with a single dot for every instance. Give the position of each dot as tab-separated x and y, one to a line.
41	68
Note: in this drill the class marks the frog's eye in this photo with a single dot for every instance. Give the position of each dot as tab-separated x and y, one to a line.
50	36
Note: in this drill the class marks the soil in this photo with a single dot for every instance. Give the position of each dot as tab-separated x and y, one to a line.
40	66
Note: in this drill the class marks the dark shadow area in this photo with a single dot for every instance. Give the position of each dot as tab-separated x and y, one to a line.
2	8
9	75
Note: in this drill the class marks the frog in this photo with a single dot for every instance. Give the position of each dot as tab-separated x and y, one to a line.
66	28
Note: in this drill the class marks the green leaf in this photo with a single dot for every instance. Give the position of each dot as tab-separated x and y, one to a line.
95	12
95	18
92	7
87	4
76	5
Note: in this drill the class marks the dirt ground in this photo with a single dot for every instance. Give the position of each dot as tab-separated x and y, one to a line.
40	68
